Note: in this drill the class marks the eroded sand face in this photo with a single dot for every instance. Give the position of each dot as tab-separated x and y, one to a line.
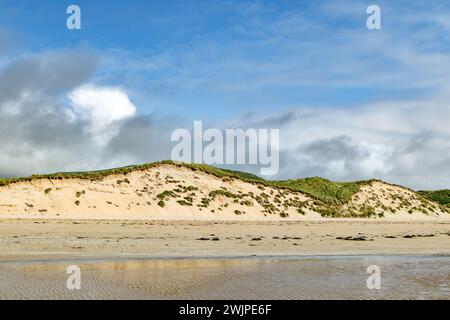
169	192
396	203
135	196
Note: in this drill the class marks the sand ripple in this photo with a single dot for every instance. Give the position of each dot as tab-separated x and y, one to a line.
259	278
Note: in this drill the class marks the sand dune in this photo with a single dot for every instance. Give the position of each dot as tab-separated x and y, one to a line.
174	192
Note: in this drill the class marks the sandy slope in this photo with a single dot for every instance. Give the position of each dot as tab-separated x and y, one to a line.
192	195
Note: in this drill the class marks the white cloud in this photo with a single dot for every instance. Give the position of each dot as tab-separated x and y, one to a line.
102	106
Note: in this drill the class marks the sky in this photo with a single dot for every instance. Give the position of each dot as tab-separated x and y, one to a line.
350	103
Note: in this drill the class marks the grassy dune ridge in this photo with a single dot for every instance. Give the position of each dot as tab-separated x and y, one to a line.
319	188
329	192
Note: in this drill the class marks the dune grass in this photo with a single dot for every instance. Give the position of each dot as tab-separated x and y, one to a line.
321	189
100	174
440	196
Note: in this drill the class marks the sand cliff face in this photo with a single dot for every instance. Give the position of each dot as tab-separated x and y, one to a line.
179	193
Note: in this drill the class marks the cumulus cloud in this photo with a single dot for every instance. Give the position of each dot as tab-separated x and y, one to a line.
104	107
52	119
41	137
37	132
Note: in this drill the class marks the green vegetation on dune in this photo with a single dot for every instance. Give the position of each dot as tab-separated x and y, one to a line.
321	189
100	174
220	173
440	196
243	175
88	175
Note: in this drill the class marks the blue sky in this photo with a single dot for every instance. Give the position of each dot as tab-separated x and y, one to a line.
253	55
375	93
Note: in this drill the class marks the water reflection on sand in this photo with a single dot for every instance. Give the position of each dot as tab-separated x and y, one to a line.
332	277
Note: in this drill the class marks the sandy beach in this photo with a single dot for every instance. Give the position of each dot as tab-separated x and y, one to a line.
224	260
47	239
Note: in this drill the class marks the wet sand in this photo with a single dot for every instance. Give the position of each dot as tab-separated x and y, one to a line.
325	277
224	260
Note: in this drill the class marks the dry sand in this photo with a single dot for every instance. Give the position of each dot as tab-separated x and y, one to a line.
57	239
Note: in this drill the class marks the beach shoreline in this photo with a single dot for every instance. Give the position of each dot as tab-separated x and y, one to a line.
204	260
